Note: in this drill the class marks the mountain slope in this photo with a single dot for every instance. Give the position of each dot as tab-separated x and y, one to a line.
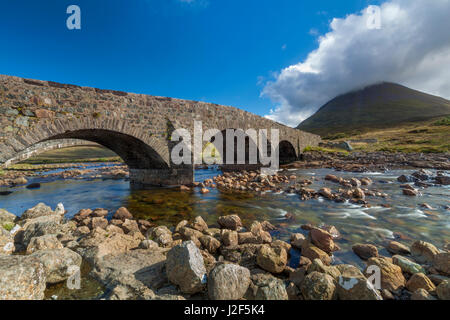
383	105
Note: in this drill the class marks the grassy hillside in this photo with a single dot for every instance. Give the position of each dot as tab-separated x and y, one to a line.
74	154
381	106
428	136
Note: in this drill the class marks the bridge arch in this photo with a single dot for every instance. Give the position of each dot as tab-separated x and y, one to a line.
136	126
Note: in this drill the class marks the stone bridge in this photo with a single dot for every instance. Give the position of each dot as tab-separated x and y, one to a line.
137	127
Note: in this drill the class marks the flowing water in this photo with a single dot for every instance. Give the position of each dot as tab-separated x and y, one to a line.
404	219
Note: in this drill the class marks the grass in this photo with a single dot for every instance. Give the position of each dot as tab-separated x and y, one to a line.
427	137
8	226
74	154
443	122
326	150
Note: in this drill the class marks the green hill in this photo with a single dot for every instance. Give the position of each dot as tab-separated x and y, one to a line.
384	105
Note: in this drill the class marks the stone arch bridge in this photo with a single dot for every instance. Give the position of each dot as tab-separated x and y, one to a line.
137	127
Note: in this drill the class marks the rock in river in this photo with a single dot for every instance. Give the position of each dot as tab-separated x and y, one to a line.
318	286
391	275
185	267
423	252
232	222
266	287
356	288
228	282
365	251
138	273
272	259
22	278
407	265
420	281
58	263
441	262
48	241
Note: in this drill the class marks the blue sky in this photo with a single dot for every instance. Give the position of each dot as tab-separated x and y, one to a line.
220	51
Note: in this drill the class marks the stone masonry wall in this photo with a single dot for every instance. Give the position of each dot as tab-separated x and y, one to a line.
32	111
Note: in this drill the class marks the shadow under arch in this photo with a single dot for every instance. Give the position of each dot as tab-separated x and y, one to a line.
251	156
134	152
286	152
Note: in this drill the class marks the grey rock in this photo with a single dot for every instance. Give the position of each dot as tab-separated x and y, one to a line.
58	263
22	278
228	282
185	267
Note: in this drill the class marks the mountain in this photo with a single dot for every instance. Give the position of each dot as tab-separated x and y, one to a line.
383	105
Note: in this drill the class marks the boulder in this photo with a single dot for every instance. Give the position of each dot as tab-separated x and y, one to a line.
420	281
391	275
271	259
410	192
210	243
297	240
266	287
263	236
293	291
230	238
98	222
318	286
148	244
356	288
438	279
48	241
395	247
298	275
185	267
58	263
248	237
423	252
323	240
99	244
443	290
22	278
42	225
113	229
422	294
199	224
326	193
312	252
228	282
138	273
407	265
100	212
122	214
39	210
365	251
349	271
130	226
6	242
317	265
441	262
162	235
232	222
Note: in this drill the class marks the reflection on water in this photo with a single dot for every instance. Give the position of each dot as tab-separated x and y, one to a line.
404	217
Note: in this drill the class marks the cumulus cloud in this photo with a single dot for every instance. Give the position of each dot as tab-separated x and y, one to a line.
411	47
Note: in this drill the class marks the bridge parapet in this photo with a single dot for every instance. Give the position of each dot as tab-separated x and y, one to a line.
135	126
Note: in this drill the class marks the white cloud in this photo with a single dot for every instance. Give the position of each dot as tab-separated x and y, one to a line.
412	48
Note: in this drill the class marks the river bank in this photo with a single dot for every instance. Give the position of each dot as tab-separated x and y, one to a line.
347	220
132	259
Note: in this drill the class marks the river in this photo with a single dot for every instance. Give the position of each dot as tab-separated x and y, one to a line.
404	219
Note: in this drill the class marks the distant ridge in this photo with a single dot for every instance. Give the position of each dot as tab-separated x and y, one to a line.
377	106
